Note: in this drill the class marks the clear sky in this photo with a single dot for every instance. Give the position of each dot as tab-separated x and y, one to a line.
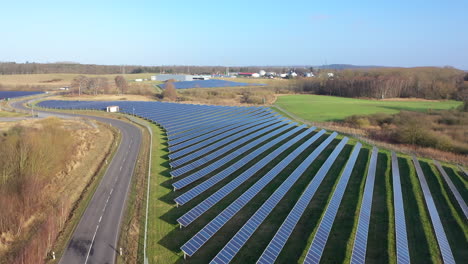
302	32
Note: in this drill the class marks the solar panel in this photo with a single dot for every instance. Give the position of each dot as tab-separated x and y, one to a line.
214	129
275	246
241	151
203	144
201	208
454	190
213	151
463	170
314	254
194	192
14	94
212	227
442	241
360	241
194	133
402	250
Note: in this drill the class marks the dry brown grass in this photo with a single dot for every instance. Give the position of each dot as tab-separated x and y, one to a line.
57	79
361	134
103	97
39	228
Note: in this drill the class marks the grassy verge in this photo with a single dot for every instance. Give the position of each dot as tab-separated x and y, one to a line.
79	208
158	228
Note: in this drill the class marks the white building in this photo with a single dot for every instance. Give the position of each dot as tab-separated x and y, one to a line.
112	109
177	77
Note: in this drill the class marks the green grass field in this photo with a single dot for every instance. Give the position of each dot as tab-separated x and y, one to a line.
320	108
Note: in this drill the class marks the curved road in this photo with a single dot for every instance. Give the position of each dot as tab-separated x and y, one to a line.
94	240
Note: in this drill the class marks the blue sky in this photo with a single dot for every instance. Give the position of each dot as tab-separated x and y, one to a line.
301	32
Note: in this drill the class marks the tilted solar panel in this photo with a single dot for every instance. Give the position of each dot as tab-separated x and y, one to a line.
360	241
314	254
442	240
402	250
213	226
275	246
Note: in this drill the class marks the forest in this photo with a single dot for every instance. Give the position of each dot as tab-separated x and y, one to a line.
382	83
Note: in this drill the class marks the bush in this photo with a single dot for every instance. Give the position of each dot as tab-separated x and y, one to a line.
358	121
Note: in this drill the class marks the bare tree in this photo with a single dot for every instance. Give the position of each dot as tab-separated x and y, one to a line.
170	92
80	83
121	84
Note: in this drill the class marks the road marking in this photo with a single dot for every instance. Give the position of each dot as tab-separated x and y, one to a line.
111	192
91	246
121	168
100	218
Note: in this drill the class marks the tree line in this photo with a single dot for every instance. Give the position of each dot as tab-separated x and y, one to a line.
427	83
76	68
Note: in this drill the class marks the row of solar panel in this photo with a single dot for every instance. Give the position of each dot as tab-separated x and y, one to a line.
214	151
212	227
230	157
15	94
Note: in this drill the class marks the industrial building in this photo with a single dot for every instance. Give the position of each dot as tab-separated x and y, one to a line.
179	77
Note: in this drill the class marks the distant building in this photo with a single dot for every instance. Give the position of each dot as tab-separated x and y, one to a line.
177	77
112	109
331	75
138	80
201	77
309	75
246	74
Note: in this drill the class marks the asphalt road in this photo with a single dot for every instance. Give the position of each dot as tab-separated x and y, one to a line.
94	240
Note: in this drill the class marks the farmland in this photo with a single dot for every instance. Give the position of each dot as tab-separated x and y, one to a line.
319	108
211	170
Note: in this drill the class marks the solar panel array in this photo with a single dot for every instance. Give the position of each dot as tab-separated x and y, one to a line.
441	237
213	83
212	227
282	235
317	246
215	151
14	94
